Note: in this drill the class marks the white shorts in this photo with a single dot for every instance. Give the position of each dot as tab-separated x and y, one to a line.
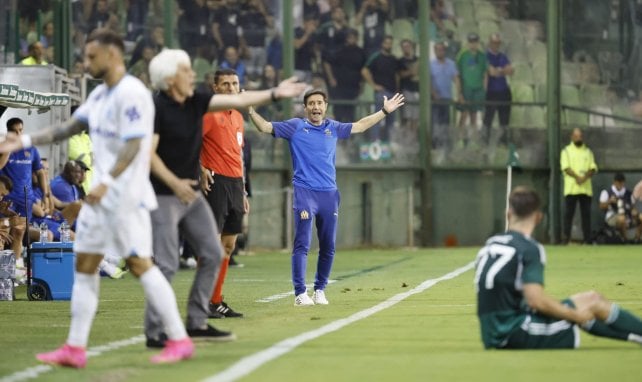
122	233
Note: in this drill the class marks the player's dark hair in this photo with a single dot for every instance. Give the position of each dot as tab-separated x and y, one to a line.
313	92
224	72
12	123
105	36
619	177
524	201
7	182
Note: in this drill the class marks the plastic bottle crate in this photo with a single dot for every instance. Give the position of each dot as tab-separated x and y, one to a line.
52	267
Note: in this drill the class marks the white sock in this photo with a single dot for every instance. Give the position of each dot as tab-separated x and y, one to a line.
161	296
84	302
107	267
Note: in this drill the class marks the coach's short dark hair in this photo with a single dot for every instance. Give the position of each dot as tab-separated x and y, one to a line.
11	123
524	201
105	36
313	92
224	72
7	182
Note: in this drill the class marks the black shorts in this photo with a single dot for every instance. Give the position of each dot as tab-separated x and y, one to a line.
226	200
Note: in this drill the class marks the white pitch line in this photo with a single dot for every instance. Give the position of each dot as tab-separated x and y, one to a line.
36	371
279	296
252	362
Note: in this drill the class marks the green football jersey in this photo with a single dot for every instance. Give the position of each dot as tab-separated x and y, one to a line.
503	266
472	67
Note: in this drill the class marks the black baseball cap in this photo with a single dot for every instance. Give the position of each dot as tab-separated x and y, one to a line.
473	37
82	165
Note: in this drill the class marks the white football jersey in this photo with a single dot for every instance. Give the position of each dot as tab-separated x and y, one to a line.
115	115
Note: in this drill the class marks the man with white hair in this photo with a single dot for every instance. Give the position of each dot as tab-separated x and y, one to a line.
115	218
175	167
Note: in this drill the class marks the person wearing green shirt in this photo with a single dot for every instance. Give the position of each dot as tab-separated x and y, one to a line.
578	166
513	309
472	66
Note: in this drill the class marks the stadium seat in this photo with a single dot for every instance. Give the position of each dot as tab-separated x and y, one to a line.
486	28
510	29
570	96
523	73
535	116
485	11
464	10
201	66
570	73
622	109
540	71
594	95
521	92
536	50
403	28
515	48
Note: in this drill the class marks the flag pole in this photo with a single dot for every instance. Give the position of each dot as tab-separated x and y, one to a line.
513	161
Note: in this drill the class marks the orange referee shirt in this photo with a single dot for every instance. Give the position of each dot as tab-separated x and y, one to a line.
222	143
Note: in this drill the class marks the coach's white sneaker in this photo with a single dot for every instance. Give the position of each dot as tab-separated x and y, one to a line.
303	300
319	297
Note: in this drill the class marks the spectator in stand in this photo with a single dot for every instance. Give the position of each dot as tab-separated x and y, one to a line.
380	72
332	35
326	16
234	62
155	39
472	67
498	90
47	40
36	55
194	25
270	79
101	16
443	73
304	40
207	85
255	21
409	84
373	15
137	12
141	68
227	30
343	71
274	52
439	14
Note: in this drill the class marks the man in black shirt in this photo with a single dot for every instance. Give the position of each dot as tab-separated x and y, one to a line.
175	172
343	70
381	73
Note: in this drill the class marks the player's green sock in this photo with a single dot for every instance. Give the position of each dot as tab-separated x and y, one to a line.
601	329
622	320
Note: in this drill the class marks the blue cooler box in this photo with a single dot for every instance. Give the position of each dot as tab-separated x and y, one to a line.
52	267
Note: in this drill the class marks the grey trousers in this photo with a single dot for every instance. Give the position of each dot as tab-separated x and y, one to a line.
197	224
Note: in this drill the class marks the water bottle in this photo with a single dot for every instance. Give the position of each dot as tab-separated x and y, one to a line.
44	233
65	236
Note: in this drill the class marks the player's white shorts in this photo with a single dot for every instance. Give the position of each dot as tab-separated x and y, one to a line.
121	233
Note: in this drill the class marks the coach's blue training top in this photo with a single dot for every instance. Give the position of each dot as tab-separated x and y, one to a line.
313	150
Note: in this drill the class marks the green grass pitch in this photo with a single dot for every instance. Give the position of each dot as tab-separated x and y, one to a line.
429	336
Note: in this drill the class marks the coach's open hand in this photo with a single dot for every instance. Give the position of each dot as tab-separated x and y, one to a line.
393	103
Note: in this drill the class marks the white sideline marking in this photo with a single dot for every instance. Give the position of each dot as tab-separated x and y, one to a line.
252	362
34	372
279	296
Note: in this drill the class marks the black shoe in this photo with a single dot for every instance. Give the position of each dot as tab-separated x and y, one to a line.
234	264
156	343
222	310
210	334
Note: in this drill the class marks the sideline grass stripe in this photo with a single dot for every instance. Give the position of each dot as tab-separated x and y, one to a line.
250	363
34	372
